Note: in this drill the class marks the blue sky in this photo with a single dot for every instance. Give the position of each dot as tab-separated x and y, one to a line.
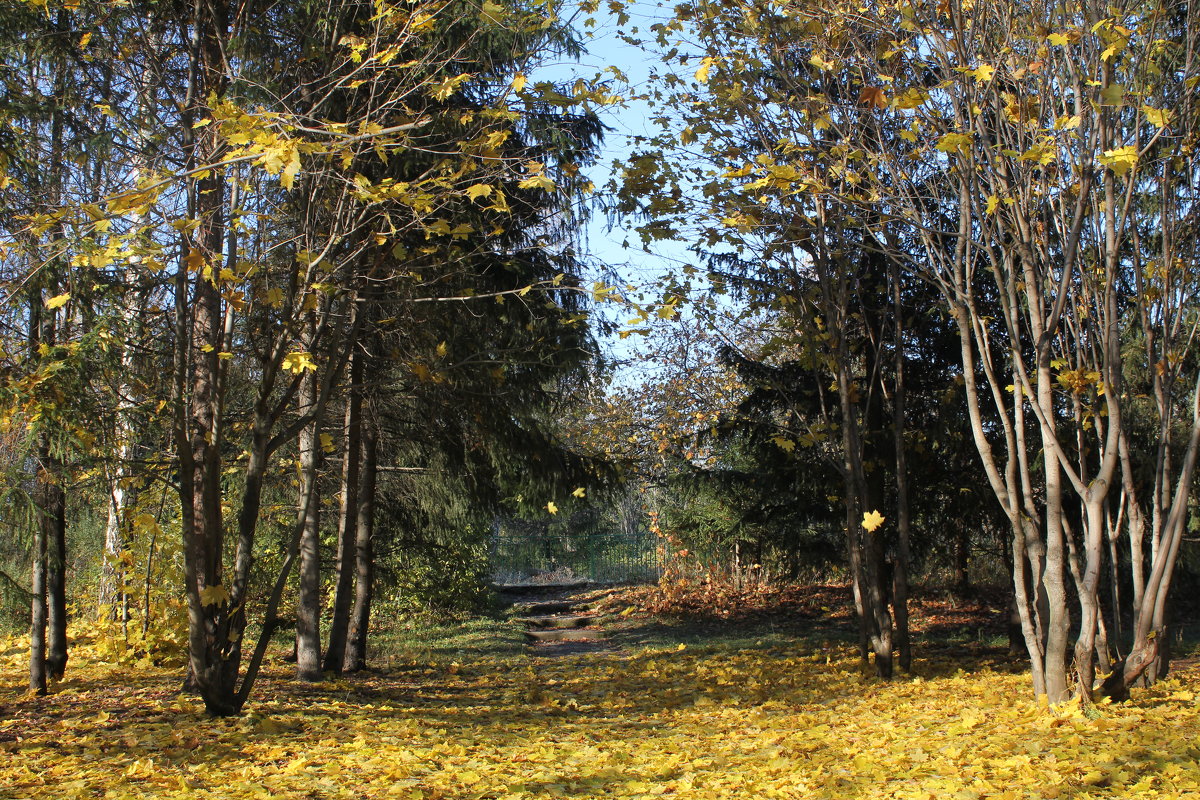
615	247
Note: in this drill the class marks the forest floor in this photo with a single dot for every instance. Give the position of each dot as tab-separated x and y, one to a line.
693	698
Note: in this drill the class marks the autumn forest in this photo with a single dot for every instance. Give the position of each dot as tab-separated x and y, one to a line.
555	398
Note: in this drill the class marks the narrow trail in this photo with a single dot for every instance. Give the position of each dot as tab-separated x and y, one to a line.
562	620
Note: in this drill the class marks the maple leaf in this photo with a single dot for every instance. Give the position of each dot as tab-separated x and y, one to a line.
872	520
537	182
1121	159
214	595
784	443
479	190
953	142
983	73
873	96
821	63
1158	117
1113	94
298	362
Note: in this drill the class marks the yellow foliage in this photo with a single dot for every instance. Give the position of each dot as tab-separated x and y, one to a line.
298	362
1121	159
700	722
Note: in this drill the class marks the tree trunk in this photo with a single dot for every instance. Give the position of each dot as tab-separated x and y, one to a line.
121	497
37	628
335	655
308	606
356	643
960	580
903	521
198	431
48	629
112	575
1148	658
55	517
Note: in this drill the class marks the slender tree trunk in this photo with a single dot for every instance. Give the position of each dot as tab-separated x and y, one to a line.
112	575
198	432
121	497
865	550
356	643
55	517
1149	655
960	580
1114	575
1059	629
903	521
335	655
37	630
308	607
48	650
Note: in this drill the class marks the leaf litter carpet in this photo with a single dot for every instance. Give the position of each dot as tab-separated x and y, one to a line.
674	721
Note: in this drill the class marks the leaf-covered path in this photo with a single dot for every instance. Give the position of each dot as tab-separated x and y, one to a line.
693	720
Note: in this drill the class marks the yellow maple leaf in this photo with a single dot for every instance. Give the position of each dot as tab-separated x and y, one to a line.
491	11
580	492
552	507
298	362
983	73
952	142
784	443
195	260
479	190
821	63
1120	159
1158	117
872	520
214	595
537	182
58	300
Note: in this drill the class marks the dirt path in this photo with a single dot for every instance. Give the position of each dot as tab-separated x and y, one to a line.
562	620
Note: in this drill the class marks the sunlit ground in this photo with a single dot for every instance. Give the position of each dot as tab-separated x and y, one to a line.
699	720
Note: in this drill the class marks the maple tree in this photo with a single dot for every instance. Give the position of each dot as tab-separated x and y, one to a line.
254	209
1014	158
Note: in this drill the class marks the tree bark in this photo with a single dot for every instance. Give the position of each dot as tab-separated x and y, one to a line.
308	606
356	642
903	515
335	655
198	432
55	516
37	629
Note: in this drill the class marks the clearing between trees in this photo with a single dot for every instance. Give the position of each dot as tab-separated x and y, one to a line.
770	704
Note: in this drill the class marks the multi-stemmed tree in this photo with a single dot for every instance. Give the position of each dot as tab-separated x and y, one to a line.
1034	163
